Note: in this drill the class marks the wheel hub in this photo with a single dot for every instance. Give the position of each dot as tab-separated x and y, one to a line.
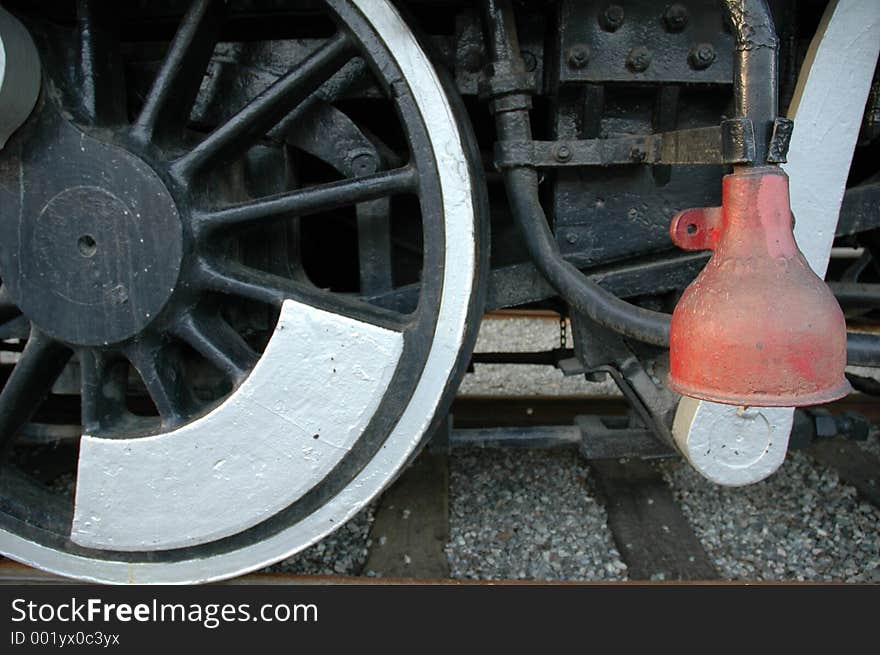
212	442
96	249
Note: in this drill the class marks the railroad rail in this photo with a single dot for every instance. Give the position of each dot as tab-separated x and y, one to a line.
411	525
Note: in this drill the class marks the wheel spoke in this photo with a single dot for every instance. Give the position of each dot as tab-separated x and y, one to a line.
216	341
31	380
169	102
161	374
264	111
301	202
104	382
99	67
245	282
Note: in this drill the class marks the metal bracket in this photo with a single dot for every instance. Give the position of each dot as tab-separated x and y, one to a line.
738	141
733	142
780	140
596	437
604	351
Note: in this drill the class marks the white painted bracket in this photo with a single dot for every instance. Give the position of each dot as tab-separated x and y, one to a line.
827	109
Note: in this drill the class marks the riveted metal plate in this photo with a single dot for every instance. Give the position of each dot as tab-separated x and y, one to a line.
642	47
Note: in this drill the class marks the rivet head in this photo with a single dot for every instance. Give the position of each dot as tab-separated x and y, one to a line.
612	18
676	17
563	152
578	56
701	56
639	59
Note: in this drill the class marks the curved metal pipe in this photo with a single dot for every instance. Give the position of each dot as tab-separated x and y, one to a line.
521	184
584	295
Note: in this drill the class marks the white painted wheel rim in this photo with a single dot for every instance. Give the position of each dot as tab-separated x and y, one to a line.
459	274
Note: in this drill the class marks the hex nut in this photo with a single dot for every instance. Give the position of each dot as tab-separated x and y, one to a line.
701	56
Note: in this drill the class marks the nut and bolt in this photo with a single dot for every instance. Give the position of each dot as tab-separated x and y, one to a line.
578	56
639	59
364	163
701	56
676	17
529	61
612	18
563	153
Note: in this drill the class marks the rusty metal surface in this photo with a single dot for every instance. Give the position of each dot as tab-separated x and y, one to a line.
757	327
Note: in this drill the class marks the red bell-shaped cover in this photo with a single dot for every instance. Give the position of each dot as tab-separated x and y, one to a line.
757	327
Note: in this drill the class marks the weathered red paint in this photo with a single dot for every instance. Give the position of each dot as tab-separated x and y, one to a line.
758	327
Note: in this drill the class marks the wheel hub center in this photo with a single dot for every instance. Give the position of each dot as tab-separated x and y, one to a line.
95	241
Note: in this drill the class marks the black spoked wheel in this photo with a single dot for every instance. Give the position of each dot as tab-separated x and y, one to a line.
250	284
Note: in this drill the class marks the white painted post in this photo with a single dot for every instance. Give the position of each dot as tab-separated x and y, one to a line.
727	444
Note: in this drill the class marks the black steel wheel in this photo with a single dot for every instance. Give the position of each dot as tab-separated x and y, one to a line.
202	255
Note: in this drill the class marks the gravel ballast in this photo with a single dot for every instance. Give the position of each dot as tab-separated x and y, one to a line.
344	552
533	515
527	515
801	523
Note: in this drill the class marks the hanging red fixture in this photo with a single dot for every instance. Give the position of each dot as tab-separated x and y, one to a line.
757	327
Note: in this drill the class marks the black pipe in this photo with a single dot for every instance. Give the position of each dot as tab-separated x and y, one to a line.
862	349
521	183
755	75
584	295
856	294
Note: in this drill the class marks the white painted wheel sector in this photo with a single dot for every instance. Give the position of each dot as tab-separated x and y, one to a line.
459	272
299	412
827	111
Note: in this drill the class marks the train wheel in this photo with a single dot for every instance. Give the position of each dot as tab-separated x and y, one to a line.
212	447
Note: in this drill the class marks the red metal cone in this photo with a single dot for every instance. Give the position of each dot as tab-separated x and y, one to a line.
757	327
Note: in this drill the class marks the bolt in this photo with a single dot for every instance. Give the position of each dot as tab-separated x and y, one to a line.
364	163
529	61
578	56
637	155
676	17
639	59
571	238
563	152
612	18
701	56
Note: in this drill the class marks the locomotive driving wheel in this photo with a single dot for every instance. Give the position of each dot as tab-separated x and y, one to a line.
239	398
